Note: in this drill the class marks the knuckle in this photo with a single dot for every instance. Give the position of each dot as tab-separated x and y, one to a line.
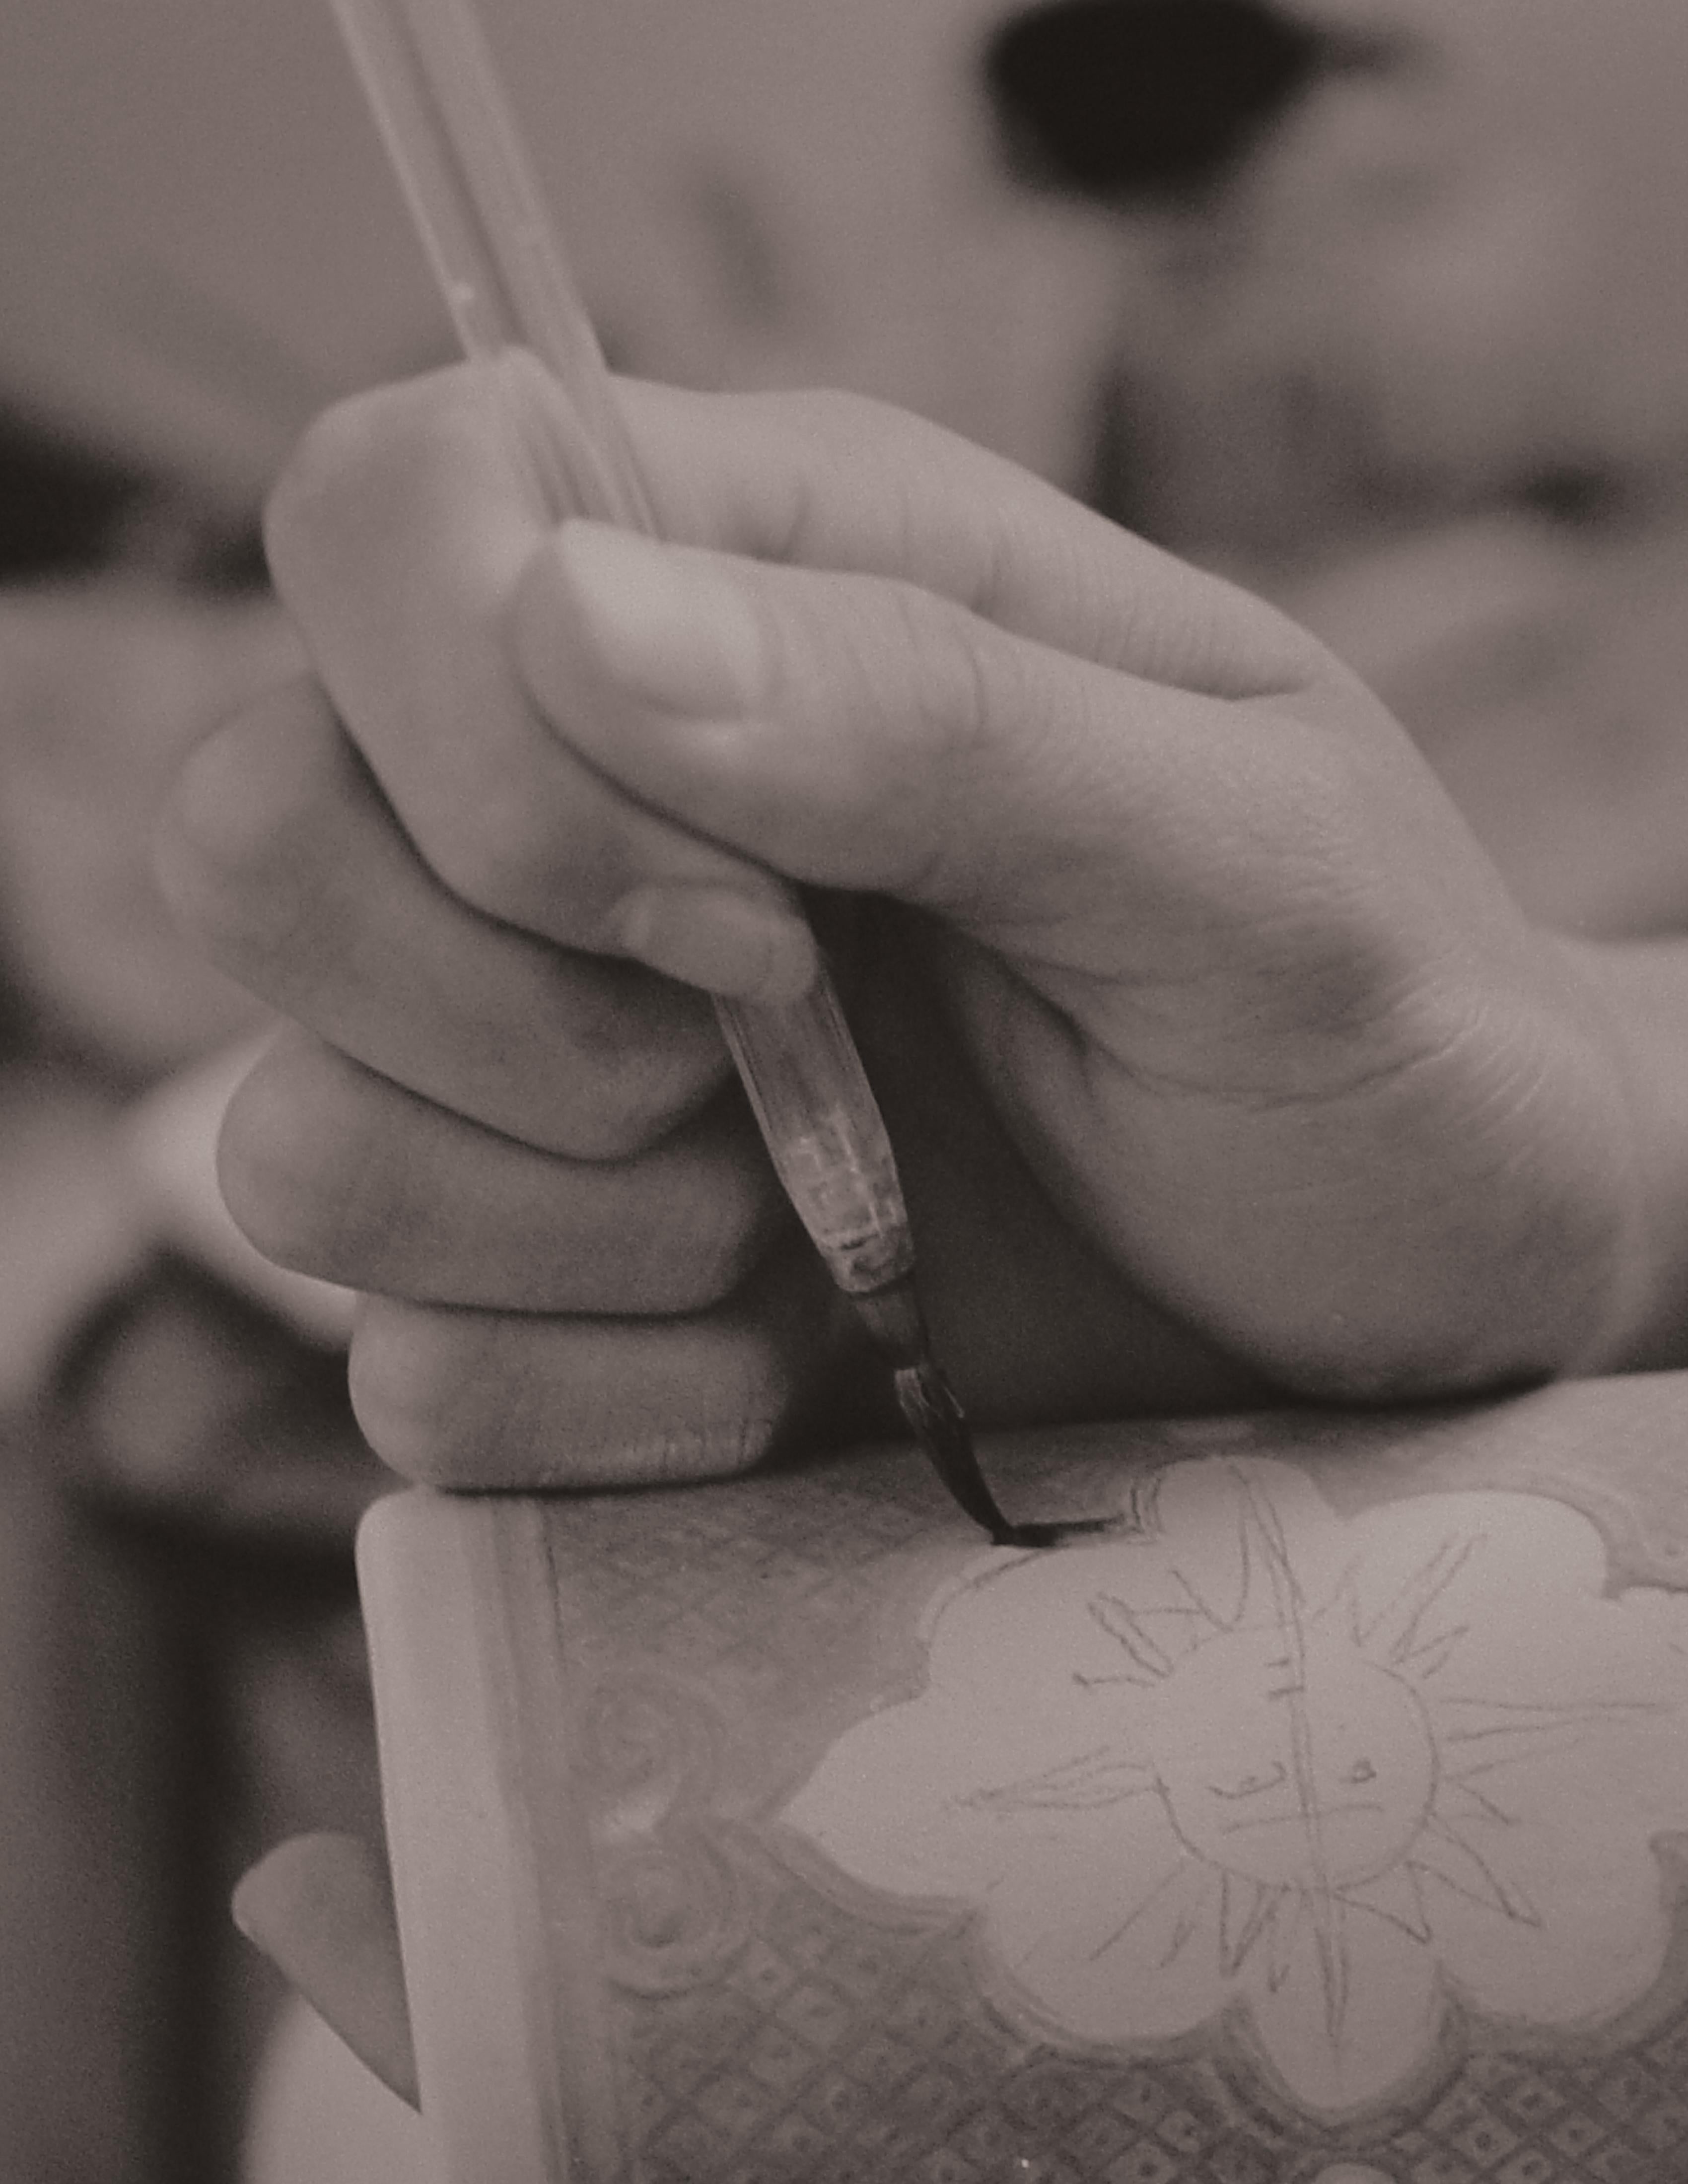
378	449
939	697
532	850
237	837
627	1059
479	1399
954	694
726	1254
329	455
537	847
714	1448
611	1107
296	1171
841	421
705	1245
512	855
833	427
614	1105
464	1399
417	1387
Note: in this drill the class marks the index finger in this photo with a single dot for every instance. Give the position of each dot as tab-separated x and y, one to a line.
396	535
831	481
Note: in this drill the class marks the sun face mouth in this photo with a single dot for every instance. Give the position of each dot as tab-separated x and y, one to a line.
1297	1818
1308	1844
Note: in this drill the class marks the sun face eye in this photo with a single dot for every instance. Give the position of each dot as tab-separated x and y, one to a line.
1362	1770
1250	1786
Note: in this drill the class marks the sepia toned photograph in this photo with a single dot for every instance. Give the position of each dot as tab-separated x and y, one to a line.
844	1149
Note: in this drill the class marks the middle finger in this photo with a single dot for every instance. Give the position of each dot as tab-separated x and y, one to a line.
337	1173
396	537
281	854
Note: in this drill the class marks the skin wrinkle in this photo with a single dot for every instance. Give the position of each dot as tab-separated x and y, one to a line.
504	846
329	1169
528	848
716	769
1294	775
237	836
988	592
408	1407
1244	775
1020	556
263	852
516	1412
1624	1328
950	713
1352	977
794	537
674	1457
951	728
761	972
920	623
640	819
591	1025
1322	853
1445	1039
438	1380
284	1170
1399	1367
1029	843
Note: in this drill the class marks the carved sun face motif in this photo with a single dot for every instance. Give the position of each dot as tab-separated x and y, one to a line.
1305	1777
1317	1769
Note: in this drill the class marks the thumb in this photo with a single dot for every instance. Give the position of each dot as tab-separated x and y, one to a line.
857	731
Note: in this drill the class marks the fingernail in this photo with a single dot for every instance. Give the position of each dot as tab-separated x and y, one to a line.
727	944
670	628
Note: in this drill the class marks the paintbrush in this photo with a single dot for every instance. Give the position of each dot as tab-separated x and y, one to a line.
430	81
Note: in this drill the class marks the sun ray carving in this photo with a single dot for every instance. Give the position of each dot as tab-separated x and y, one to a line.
1295	1763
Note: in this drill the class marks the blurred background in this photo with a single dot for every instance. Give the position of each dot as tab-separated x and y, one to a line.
1467	208
202	244
1380	305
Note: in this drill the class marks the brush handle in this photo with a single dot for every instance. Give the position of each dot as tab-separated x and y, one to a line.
824	1133
430	80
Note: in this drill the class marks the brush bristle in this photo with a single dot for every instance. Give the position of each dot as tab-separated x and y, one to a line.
938	1422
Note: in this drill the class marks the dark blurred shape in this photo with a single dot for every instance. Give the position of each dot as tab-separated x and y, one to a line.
1132	98
64	507
212	1460
71	510
222	557
1580	494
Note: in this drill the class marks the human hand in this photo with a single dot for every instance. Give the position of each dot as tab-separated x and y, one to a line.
1217	1057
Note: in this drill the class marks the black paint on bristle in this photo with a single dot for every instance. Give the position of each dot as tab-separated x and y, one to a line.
939	1424
892	1317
